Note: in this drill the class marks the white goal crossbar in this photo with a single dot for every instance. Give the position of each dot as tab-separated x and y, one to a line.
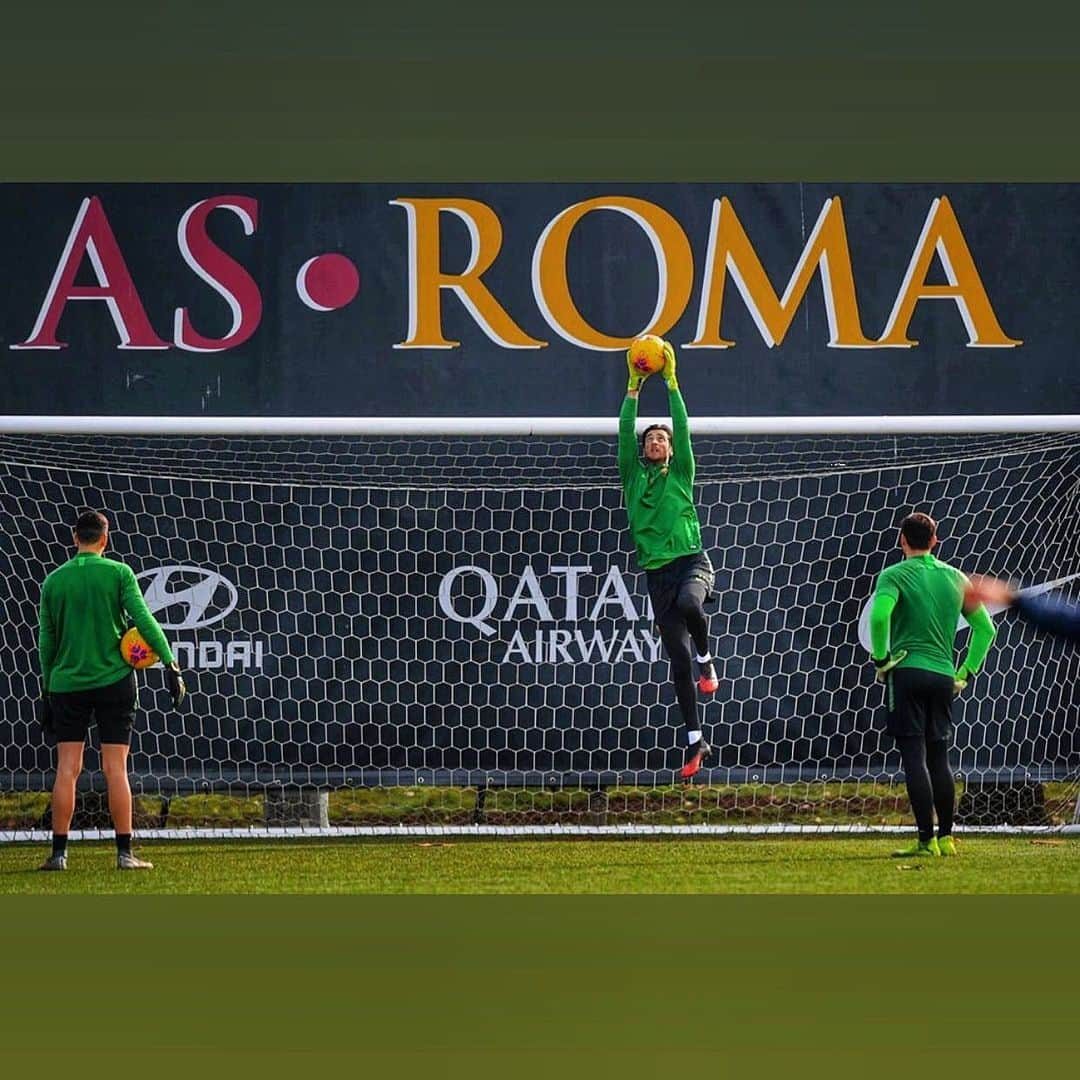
510	426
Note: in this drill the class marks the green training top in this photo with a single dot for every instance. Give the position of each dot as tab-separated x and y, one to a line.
659	499
84	608
917	605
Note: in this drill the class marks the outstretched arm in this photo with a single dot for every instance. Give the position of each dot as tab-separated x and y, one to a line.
1050	611
628	453
1053	612
680	423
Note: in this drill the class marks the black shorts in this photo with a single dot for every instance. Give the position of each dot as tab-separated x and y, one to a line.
666	582
111	707
918	702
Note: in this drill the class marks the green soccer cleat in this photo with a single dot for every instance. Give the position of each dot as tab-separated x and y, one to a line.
921	849
947	845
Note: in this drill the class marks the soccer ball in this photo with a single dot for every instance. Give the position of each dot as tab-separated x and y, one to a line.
647	355
135	651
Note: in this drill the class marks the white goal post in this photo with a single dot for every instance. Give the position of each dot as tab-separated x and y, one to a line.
418	625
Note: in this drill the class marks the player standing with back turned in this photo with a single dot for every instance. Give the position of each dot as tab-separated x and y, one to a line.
913	622
86	604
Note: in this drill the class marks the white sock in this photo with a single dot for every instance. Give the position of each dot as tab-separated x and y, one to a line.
706	659
693	737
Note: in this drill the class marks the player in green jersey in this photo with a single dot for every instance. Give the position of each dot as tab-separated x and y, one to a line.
658	488
913	622
85	607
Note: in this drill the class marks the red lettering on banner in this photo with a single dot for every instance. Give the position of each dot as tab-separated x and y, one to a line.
221	272
92	236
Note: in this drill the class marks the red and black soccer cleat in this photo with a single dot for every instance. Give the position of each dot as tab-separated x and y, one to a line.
696	754
707	682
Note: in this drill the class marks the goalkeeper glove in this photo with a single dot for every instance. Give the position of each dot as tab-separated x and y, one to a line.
175	684
46	718
883	667
960	680
637	378
668	370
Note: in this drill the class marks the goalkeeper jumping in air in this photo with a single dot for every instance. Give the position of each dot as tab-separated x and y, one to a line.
917	605
658	488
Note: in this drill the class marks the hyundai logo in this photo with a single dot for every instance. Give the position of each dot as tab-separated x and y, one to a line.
195	596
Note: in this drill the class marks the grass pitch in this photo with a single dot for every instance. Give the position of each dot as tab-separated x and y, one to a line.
808	864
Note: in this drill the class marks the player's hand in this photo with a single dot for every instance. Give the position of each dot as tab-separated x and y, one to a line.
960	681
637	378
989	591
884	666
668	370
175	684
46	718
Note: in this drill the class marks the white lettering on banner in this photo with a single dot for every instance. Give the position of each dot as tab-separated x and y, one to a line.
572	574
615	584
536	597
597	642
562	647
491	595
630	646
653	644
193	598
554	645
237	655
210	654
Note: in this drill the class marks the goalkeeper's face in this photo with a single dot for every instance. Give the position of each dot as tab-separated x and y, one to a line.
657	445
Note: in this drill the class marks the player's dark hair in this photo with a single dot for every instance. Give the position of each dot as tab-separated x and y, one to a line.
656	427
90	527
918	530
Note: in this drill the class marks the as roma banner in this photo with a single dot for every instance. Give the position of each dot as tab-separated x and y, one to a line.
426	300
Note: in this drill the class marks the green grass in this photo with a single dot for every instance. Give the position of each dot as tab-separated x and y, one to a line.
746	865
748	804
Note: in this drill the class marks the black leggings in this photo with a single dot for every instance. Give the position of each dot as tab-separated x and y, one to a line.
930	783
684	622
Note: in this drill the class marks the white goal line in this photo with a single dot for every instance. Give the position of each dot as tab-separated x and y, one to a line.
553	426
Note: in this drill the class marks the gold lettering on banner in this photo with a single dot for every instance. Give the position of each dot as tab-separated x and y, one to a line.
427	280
729	255
730	251
942	235
674	262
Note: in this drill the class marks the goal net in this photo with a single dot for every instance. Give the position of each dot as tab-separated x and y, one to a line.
442	632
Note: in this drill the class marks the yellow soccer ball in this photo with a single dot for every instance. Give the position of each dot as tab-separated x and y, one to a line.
647	354
135	651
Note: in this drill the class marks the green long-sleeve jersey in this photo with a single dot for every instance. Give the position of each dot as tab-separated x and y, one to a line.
86	606
659	499
916	608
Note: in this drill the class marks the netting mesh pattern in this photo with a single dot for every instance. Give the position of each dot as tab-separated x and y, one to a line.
466	612
483	462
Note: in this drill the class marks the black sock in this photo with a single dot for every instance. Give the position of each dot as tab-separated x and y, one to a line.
941	779
123	843
917	778
59	843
